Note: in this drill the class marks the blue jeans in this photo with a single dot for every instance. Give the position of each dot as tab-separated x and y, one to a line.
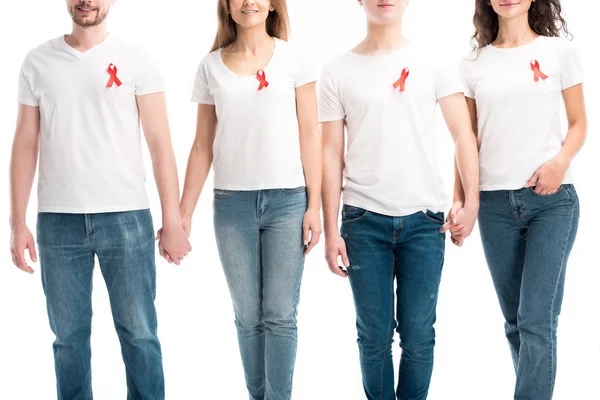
411	250
527	239
259	237
124	245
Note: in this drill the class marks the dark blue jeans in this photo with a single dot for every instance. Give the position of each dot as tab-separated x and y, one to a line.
124	245
259	236
410	250
527	239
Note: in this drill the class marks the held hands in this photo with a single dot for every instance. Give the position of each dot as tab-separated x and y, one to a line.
173	243
21	239
460	222
548	178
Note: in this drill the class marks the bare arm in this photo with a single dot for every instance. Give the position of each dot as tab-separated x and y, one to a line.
333	167
456	114
23	164
548	178
199	162
310	148
153	114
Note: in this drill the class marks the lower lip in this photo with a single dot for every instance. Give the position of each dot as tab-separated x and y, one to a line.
508	5
386	7
250	13
85	11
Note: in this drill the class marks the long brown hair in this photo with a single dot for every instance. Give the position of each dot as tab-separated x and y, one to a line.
278	23
545	19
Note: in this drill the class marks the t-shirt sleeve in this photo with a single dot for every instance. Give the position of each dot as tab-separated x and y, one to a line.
26	95
447	79
149	79
330	102
306	70
464	76
571	69
201	92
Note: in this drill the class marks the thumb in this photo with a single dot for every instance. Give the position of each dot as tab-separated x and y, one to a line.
531	182
158	234
32	251
345	259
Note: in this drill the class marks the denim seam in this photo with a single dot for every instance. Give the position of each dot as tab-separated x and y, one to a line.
562	266
387	342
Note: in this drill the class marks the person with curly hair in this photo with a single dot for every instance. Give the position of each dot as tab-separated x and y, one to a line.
529	209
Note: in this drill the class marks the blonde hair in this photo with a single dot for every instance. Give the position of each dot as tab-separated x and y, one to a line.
278	23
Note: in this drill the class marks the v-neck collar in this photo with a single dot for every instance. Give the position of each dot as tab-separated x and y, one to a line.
81	54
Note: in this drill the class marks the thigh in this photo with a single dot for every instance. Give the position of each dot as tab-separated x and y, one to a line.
504	239
371	271
238	242
551	234
125	246
282	252
67	264
418	270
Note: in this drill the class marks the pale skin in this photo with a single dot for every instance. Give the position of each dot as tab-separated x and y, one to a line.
89	29
384	35
515	31
250	52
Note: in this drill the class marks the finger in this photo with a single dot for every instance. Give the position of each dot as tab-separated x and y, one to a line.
306	234
456	228
316	235
446	227
334	267
345	259
158	234
533	180
161	251
22	263
32	251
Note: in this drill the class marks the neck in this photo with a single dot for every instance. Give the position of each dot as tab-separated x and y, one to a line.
514	32
251	40
84	38
382	39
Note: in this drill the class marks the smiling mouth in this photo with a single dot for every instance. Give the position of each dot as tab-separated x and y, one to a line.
249	12
85	10
385	5
509	4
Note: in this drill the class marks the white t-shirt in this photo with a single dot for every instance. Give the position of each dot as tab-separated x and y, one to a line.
518	118
257	145
390	166
90	146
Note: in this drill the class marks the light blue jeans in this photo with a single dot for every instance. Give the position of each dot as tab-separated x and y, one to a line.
259	237
527	239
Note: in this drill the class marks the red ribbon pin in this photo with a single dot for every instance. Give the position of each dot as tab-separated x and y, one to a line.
402	81
112	71
537	74
260	75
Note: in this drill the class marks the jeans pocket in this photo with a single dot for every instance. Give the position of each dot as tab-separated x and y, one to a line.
223	194
437	217
300	189
560	189
351	213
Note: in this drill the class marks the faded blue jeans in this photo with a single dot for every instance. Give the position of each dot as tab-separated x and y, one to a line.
124	245
259	237
409	250
527	239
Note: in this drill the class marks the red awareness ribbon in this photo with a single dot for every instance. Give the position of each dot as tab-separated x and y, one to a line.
402	81
260	75
537	74
112	70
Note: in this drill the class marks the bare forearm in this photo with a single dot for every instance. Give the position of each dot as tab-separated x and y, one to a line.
459	193
310	147
167	183
23	164
332	191
198	167
467	162
573	142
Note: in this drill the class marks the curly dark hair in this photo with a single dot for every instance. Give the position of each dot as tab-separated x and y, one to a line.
545	18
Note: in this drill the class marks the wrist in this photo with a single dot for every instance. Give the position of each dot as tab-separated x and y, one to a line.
562	160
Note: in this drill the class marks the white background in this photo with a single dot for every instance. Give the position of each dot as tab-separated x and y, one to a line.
195	315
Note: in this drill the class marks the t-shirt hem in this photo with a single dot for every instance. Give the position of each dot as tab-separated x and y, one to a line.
261	186
305	82
149	91
27	102
515	186
571	84
394	213
449	93
92	209
329	118
203	101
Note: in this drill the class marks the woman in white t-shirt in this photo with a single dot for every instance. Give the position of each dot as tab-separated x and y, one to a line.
257	123
529	209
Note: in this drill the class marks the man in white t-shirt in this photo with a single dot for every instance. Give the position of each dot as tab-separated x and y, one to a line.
81	97
385	92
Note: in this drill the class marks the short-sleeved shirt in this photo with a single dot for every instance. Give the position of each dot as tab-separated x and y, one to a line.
518	118
257	144
90	145
390	165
